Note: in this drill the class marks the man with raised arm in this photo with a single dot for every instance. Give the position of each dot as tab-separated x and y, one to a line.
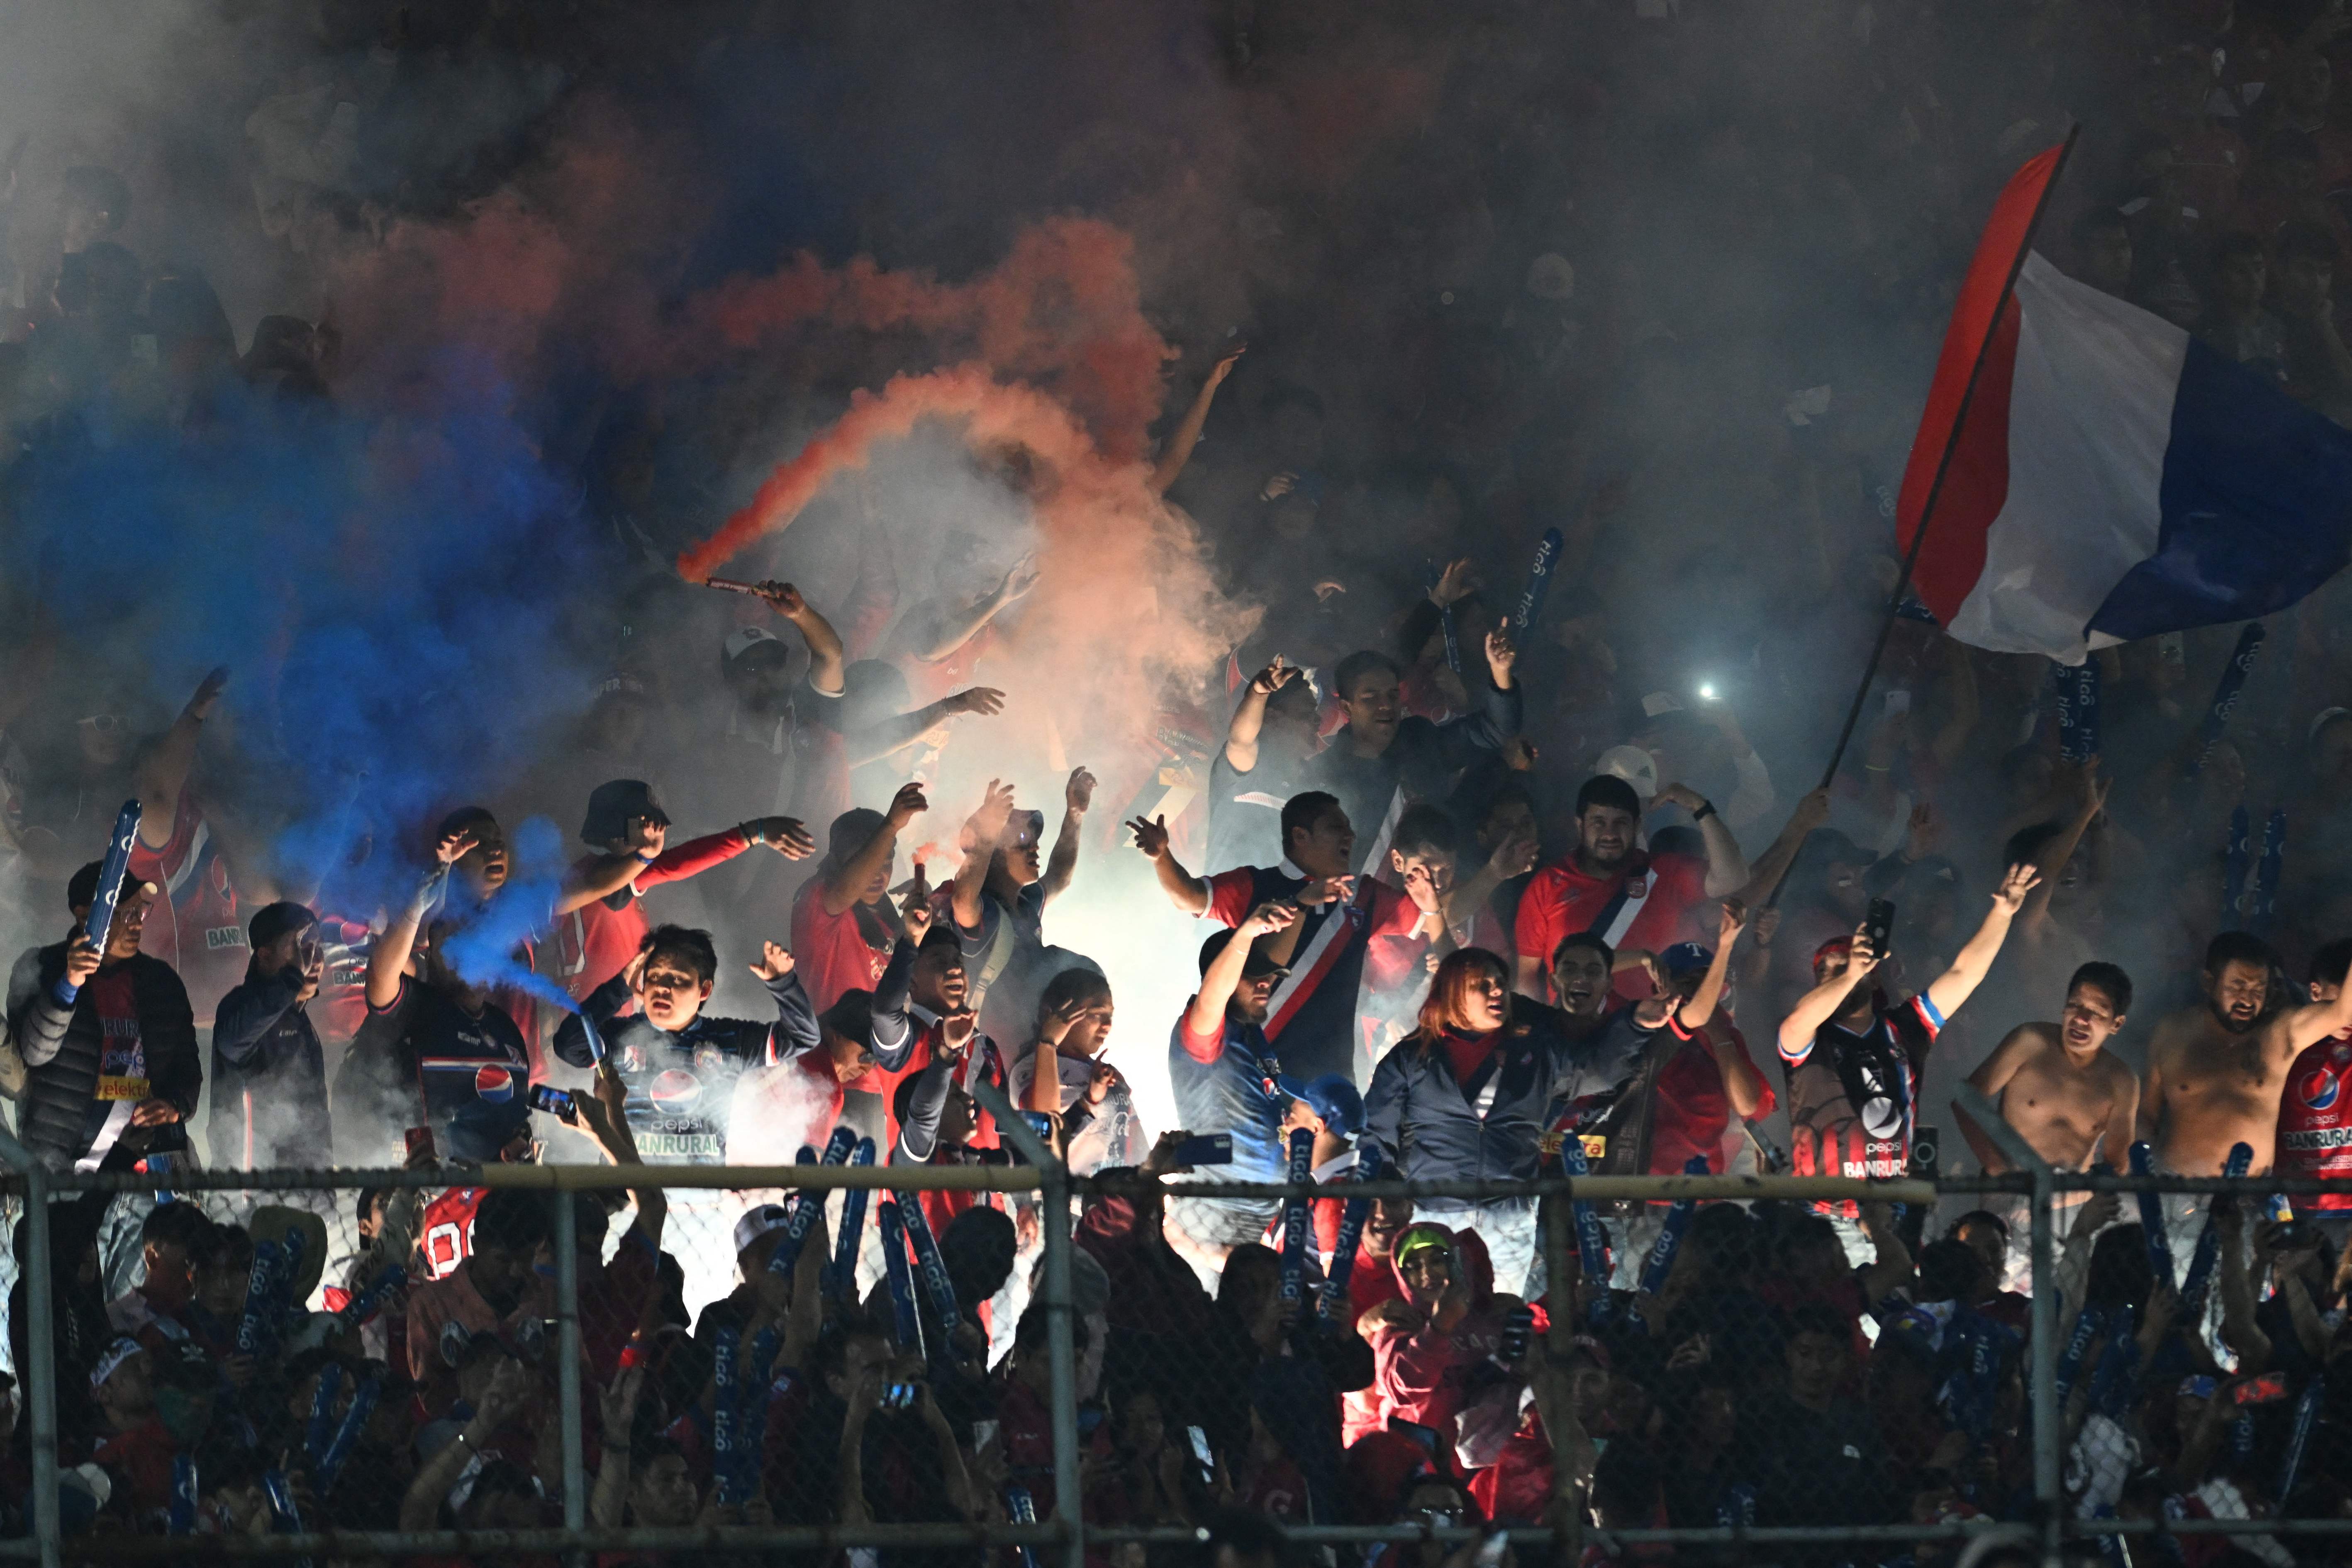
434	1039
1267	742
2216	1073
678	1064
1853	1058
1224	1074
1316	1024
1382	749
2070	1097
999	896
1609	887
598	925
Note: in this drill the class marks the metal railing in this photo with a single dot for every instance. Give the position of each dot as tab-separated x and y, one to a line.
1047	1182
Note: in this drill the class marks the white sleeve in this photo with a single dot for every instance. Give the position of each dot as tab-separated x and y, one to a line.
1753	798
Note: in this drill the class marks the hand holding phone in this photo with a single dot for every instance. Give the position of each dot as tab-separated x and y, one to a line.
1879	926
1206	1148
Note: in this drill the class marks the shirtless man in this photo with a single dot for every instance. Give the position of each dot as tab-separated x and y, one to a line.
2215	1075
2072	1099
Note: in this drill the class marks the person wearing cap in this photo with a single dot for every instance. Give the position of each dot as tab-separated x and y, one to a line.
999	896
1441	1323
116	1066
1316	875
1703	1096
1466	1098
1853	1059
269	1073
843	923
597	923
1380	750
1609	886
680	1065
1827	892
1696	744
137	1446
1225	1076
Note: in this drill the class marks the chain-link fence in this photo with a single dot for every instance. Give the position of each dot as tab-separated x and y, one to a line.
1003	1361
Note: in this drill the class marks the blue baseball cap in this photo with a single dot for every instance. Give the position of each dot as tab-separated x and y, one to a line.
1331	1097
1686	958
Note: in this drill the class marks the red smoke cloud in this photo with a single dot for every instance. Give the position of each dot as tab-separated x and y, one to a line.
1124	602
1062	312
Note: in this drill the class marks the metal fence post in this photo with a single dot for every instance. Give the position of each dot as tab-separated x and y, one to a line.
2041	1373
2043	1376
1061	1353
567	1377
39	1372
1063	1363
41	1360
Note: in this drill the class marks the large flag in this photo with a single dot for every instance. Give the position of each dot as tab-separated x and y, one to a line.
2109	477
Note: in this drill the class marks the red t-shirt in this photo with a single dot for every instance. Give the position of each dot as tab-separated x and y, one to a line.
1693	1114
830	953
2314	1122
595	942
1230	893
1562	900
195	925
142	1457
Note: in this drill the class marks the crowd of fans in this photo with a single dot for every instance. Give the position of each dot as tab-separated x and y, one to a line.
1486	900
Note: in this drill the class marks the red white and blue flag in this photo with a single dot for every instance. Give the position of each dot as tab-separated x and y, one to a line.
2110	477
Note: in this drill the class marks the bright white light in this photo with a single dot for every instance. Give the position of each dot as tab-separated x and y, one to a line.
1706	691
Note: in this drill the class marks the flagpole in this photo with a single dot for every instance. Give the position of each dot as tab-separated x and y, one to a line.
1944	463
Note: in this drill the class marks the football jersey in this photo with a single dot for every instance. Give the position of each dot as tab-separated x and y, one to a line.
195	925
446	1235
2314	1124
1852	1095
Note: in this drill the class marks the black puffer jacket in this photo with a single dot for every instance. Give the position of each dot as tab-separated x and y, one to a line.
62	1049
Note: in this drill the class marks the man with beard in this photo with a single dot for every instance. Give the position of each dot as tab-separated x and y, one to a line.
1225	1074
1609	888
1853	1058
2071	1099
2215	1074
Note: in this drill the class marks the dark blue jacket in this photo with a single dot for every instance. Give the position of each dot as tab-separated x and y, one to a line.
269	1080
681	1086
1426	1122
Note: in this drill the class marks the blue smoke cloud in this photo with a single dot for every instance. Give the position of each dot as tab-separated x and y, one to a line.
390	592
485	950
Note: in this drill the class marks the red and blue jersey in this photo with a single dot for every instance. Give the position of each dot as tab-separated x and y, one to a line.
2314	1124
195	926
471	1072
